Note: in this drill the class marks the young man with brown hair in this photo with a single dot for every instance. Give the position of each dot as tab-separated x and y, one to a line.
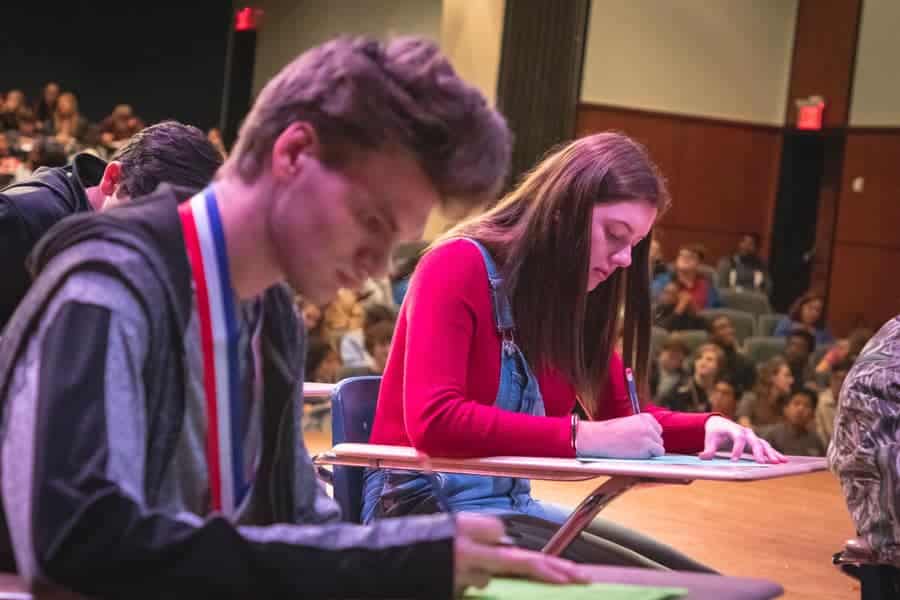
164	457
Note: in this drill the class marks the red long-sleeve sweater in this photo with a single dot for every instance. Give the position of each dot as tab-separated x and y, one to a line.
443	374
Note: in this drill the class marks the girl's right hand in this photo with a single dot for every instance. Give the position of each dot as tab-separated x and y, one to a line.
637	436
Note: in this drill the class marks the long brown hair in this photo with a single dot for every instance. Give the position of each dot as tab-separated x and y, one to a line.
766	380
540	236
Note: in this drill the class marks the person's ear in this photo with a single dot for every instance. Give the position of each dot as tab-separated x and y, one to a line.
112	177
292	148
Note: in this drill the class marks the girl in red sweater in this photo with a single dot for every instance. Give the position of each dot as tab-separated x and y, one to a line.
510	320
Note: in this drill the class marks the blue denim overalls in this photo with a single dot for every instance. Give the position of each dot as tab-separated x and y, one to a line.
386	490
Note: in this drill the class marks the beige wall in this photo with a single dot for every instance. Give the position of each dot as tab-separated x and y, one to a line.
726	59
876	86
471	36
292	26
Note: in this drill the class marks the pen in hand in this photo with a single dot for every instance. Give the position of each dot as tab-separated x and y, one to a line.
632	391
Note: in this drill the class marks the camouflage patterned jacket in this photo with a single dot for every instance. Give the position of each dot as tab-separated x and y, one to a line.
865	449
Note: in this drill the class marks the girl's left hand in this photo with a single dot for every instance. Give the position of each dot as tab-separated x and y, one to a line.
719	430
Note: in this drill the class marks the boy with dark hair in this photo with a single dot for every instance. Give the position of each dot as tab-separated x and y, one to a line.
738	368
723	399
378	344
793	436
168	152
798	347
667	371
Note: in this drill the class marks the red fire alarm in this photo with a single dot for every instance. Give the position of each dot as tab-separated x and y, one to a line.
247	19
809	113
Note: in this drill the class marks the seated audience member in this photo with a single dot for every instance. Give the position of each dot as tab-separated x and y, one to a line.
344	313
865	446
692	395
311	315
323	363
686	274
67	125
23	139
658	264
737	368
9	110
807	312
119	126
849	347
378	344
828	399
667	371
675	310
44	153
9	163
110	353
377	290
745	270
353	343
764	405
168	152
723	399
797	350
46	103
794	435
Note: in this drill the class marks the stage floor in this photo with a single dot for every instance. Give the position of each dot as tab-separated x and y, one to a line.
785	529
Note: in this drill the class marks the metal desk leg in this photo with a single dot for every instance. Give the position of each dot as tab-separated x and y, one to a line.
585	512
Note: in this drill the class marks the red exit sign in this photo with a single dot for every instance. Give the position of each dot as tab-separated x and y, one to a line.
810	112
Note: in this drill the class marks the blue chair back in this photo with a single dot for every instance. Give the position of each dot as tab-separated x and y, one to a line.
759	349
353	412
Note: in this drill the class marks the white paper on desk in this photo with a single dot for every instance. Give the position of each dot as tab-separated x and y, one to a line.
678	459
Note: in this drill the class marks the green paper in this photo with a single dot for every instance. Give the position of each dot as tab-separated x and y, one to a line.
522	589
678	459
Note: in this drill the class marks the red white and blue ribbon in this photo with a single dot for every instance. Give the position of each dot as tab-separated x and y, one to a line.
219	333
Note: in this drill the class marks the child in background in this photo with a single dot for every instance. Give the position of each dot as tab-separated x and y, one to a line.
797	350
353	344
323	363
723	399
311	315
687	275
793	435
764	405
692	395
667	371
828	399
378	344
675	310
344	313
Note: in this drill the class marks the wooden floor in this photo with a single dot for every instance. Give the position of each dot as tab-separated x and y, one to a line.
784	530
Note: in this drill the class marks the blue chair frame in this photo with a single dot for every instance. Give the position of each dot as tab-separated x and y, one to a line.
353	412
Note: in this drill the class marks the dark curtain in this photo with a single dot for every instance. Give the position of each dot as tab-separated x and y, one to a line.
539	82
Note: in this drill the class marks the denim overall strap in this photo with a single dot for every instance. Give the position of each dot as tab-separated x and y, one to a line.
503	316
390	493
